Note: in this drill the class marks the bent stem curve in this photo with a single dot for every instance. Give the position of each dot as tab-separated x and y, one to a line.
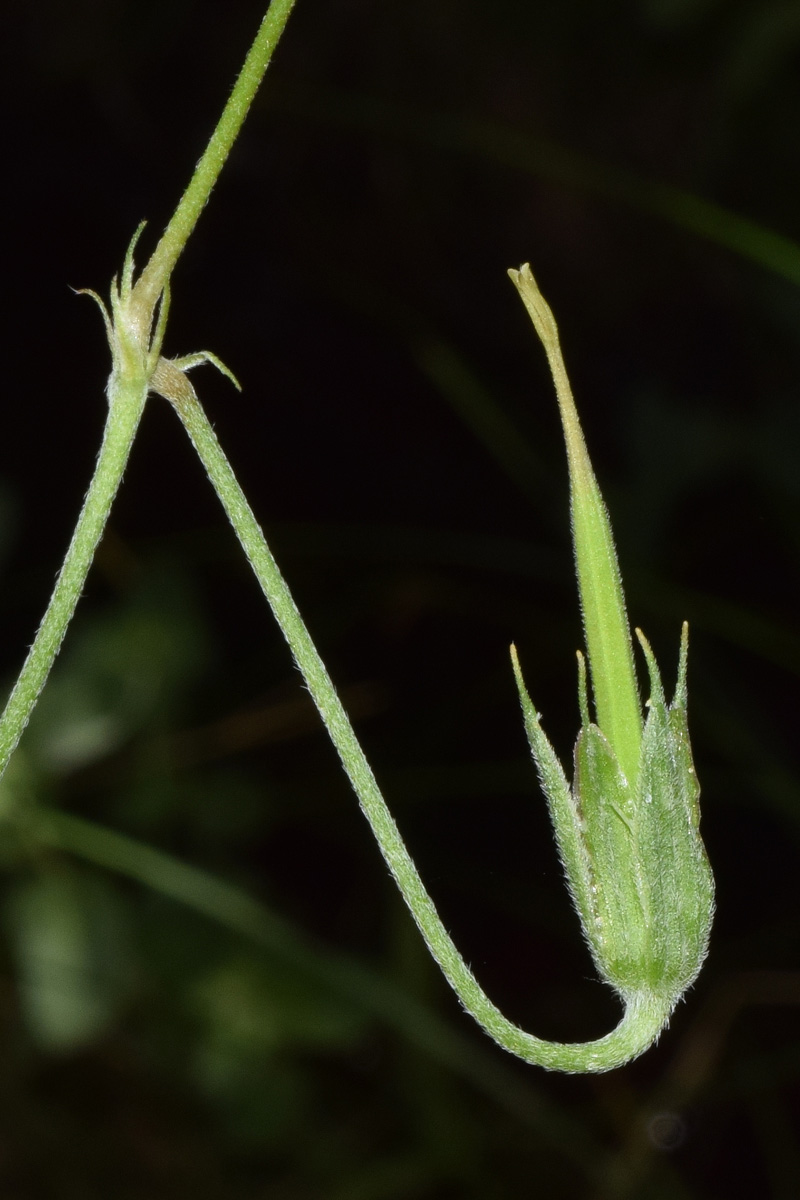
645	1013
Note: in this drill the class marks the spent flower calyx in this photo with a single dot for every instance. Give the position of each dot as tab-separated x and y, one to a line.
627	827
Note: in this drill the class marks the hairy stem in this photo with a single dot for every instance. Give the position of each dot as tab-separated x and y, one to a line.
166	254
126	402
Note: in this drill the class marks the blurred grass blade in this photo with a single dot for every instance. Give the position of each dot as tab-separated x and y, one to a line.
548	160
68	939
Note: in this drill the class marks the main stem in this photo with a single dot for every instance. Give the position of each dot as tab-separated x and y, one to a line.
126	403
644	1014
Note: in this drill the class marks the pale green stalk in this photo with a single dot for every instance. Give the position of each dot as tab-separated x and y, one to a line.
645	1013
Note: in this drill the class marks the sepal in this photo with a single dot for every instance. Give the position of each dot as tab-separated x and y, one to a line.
635	864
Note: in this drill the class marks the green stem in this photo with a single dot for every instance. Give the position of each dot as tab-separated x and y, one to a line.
644	1014
126	402
166	254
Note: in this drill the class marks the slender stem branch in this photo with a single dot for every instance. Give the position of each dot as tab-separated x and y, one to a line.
644	1013
126	402
167	252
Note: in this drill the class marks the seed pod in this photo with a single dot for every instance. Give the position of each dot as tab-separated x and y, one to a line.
628	828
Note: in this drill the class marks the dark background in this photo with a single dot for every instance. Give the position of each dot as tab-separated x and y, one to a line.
399	439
